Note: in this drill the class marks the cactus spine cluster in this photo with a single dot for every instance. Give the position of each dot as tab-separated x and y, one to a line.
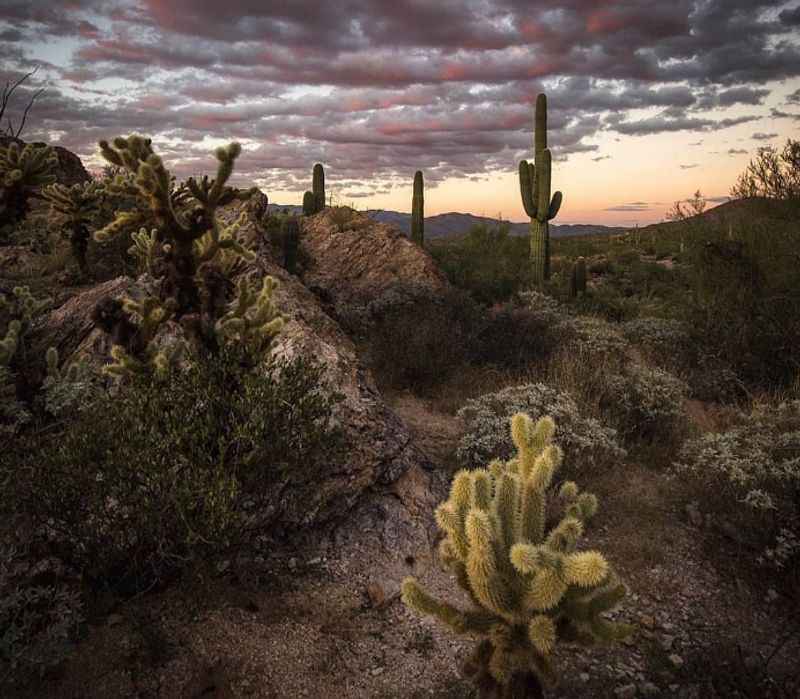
418	210
529	587
534	183
577	282
23	170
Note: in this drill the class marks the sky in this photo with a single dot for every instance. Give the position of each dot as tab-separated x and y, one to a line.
647	101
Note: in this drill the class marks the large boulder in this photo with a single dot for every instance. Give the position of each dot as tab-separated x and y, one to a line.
357	262
383	465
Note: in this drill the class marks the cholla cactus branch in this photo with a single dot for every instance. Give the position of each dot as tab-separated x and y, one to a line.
252	318
74	209
23	170
530	587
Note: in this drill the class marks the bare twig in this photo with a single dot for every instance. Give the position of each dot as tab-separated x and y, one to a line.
8	90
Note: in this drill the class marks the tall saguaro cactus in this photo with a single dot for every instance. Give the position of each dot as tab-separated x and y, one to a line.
534	184
318	188
529	586
418	210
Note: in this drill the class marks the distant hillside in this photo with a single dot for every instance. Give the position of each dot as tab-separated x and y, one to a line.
755	209
454	224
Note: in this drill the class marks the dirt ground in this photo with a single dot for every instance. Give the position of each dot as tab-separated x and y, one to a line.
326	621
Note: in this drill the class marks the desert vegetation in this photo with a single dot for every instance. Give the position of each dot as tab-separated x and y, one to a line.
197	388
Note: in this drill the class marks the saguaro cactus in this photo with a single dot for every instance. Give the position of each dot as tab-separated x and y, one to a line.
534	184
577	283
529	587
318	188
418	210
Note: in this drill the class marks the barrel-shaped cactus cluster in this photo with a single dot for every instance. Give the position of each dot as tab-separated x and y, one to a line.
529	587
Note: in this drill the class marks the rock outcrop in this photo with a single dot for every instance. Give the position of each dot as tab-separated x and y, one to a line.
384	473
358	262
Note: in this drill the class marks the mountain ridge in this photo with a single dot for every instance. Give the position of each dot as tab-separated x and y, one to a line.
452	224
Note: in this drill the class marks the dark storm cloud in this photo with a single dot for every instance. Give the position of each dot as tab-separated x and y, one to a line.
690	166
445	86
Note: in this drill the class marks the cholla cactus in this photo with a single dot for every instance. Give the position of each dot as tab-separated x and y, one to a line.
252	319
179	225
534	184
199	254
529	587
22	171
75	208
418	210
133	326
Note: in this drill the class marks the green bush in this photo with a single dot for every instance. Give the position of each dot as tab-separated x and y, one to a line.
166	473
746	292
490	263
39	617
646	402
417	339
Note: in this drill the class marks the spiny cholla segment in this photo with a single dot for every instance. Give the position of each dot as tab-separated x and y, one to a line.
530	587
534	184
22	171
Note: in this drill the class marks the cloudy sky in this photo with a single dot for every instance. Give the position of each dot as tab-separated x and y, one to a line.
648	100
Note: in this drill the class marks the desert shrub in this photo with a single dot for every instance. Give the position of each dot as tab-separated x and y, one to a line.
38	617
488	262
417	338
600	266
646	402
660	339
514	336
547	310
751	474
746	291
711	379
174	471
587	441
592	336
